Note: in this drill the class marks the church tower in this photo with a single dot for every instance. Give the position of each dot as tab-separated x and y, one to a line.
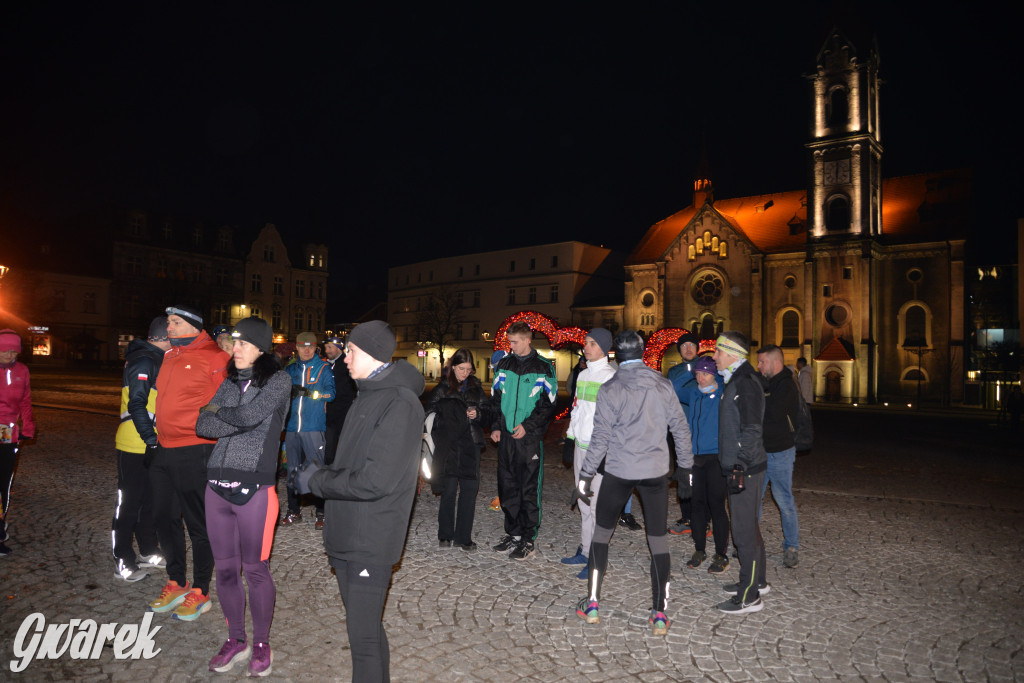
845	147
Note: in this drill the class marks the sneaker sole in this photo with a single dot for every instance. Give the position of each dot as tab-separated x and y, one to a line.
524	557
714	569
230	664
656	631
169	606
749	609
195	615
574	560
590	619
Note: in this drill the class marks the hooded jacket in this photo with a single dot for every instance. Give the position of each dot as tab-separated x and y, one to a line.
740	419
188	379
310	414
16	401
137	430
370	486
581	421
247	424
633	410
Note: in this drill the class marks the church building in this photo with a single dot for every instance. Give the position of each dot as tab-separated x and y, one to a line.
861	275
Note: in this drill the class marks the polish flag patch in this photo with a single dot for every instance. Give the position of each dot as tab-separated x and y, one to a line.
143	377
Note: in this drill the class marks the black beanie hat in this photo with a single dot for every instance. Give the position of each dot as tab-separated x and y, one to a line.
688	337
158	328
375	338
628	346
256	331
189	314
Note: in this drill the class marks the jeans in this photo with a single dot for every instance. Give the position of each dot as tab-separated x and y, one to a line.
780	474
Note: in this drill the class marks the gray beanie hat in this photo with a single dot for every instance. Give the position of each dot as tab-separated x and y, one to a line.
603	338
375	338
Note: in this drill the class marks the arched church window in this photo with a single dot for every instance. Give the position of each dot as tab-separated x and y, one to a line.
707	328
707	288
838	108
790	329
837	214
915	331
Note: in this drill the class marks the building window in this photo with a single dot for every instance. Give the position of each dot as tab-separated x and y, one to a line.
298	320
459	299
268	253
647	299
300	289
847	273
320	291
197	237
430	276
533	264
224	240
168	231
275	320
914	275
789	282
837	315
195	273
789	336
133	265
826	291
476	298
554	294
221	314
161	268
511	266
309	321
554	261
512	297
222	276
460	271
135	226
476	269
707	288
532	295
312	260
458	330
838	108
476	331
837	214
89	302
256	311
914	324
256	284
279	285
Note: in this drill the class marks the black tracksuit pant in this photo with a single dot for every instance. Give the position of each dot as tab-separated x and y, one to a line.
133	516
520	479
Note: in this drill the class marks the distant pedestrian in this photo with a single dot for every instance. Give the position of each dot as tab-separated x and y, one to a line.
523	399
222	335
636	408
190	375
742	456
781	407
805	378
344	394
136	445
682	378
16	421
246	416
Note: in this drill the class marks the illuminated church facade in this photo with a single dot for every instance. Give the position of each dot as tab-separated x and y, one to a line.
861	275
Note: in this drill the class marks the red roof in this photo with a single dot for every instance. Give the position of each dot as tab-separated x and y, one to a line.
913	206
835	350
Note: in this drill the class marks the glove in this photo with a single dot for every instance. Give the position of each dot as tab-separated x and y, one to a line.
568	452
298	391
684	482
735	479
583	493
298	480
147	457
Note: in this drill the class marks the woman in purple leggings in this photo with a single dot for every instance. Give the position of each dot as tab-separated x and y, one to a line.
246	417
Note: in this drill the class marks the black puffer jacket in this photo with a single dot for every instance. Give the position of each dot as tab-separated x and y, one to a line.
247	423
370	486
740	420
780	410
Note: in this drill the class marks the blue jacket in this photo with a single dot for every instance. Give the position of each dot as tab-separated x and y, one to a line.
682	379
702	412
310	414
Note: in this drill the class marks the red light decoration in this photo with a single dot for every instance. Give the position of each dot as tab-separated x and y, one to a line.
558	336
654	349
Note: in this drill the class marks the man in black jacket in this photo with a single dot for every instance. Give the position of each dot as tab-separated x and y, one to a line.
136	443
780	414
742	456
369	489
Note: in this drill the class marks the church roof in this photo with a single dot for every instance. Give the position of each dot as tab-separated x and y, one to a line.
919	206
836	350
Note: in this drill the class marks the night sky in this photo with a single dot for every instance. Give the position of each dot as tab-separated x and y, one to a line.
395	136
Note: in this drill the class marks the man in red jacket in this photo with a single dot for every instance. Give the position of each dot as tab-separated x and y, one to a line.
192	370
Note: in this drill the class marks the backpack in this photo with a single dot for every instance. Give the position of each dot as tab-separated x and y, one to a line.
803	431
427	448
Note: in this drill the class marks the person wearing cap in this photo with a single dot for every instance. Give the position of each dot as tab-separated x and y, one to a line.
709	492
596	346
523	401
222	335
683	381
781	410
742	457
246	416
344	394
16	421
136	444
370	488
190	375
635	409
304	439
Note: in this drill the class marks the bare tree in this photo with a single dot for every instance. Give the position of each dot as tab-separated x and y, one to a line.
438	320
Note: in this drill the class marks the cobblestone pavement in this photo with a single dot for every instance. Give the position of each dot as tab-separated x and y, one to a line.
910	570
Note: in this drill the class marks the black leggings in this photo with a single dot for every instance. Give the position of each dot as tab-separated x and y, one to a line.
709	493
654	500
8	458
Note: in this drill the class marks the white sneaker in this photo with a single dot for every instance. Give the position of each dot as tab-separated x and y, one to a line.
129	573
153	560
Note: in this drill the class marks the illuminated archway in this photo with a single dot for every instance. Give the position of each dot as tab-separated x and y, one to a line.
558	336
